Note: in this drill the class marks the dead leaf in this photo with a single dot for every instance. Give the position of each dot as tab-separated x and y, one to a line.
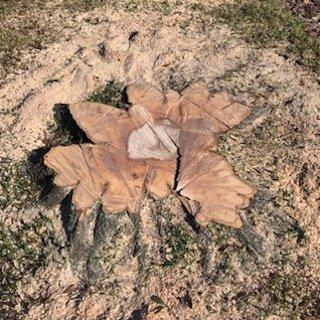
166	142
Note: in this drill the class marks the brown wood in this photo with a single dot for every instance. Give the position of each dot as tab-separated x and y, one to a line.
165	143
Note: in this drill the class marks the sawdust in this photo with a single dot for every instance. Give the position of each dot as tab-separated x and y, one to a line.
276	150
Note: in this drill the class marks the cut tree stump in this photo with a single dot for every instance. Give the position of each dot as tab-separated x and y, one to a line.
165	143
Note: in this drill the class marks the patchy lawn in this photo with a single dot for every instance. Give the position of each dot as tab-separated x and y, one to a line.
271	23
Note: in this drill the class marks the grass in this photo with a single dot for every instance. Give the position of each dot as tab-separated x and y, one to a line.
287	291
24	183
288	296
22	23
270	23
83	5
21	28
22	252
267	23
164	6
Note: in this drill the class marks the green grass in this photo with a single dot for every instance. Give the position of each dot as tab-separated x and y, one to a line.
270	23
21	28
23	251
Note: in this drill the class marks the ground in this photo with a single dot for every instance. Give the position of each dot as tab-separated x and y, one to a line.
57	263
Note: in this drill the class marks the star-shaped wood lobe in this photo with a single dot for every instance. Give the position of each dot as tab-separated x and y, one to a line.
165	143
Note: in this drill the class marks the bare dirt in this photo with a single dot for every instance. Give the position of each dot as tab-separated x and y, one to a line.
159	264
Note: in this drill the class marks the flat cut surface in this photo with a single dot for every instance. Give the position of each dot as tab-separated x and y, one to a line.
165	143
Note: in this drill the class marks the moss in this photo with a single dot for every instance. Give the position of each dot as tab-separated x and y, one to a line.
112	94
10	44
24	183
220	233
57	135
111	250
180	242
180	247
270	23
22	252
64	130
17	187
9	6
111	253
